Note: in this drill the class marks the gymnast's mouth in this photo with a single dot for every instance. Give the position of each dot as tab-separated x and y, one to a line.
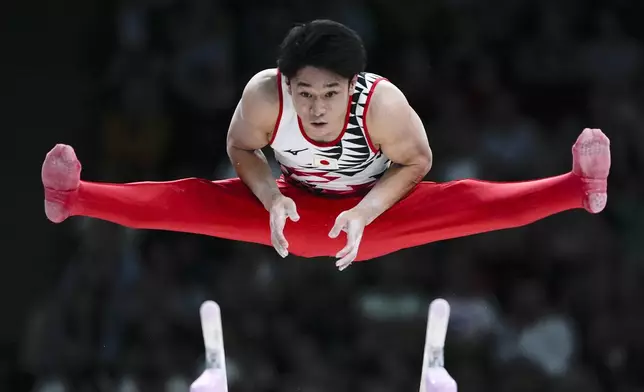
318	124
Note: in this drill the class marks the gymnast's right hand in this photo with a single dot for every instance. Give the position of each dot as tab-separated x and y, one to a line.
282	207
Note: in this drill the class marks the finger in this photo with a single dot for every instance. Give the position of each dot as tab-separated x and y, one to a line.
278	247
350	251
351	247
346	261
281	239
292	213
347	248
354	234
340	223
277	234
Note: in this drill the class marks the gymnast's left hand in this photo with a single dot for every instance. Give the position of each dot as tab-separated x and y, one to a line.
353	223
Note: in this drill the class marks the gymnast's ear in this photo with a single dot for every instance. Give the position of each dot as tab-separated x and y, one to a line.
352	84
288	85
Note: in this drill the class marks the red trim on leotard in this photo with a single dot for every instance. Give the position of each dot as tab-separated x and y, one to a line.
337	139
279	114
364	114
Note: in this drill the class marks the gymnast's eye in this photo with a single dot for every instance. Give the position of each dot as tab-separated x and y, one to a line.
305	94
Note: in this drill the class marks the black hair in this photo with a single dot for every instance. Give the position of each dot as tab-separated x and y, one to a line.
323	44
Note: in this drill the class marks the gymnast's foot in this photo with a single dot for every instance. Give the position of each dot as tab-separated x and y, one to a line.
591	162
61	179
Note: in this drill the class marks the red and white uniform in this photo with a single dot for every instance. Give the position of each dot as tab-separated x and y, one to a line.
347	165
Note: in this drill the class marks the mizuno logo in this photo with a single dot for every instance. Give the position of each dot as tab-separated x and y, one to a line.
295	152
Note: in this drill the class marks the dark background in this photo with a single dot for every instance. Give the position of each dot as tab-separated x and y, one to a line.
144	90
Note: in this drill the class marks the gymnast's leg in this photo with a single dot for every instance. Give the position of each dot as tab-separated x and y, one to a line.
438	211
225	209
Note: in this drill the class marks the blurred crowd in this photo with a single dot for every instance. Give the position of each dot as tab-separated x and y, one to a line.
504	88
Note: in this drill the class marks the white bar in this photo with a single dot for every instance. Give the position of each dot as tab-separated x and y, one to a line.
439	311
436	332
214	378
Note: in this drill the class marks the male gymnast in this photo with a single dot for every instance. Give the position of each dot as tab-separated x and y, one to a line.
353	155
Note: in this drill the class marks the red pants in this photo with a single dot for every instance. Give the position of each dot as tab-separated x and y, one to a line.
431	212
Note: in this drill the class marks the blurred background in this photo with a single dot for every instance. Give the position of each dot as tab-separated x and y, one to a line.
144	90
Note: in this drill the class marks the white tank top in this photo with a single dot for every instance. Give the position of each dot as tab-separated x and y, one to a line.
350	164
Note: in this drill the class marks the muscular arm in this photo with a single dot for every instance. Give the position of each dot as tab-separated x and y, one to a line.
250	131
396	128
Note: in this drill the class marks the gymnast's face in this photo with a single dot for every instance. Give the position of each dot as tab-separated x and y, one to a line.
321	101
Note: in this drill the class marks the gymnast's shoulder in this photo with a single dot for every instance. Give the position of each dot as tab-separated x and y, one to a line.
261	96
390	115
